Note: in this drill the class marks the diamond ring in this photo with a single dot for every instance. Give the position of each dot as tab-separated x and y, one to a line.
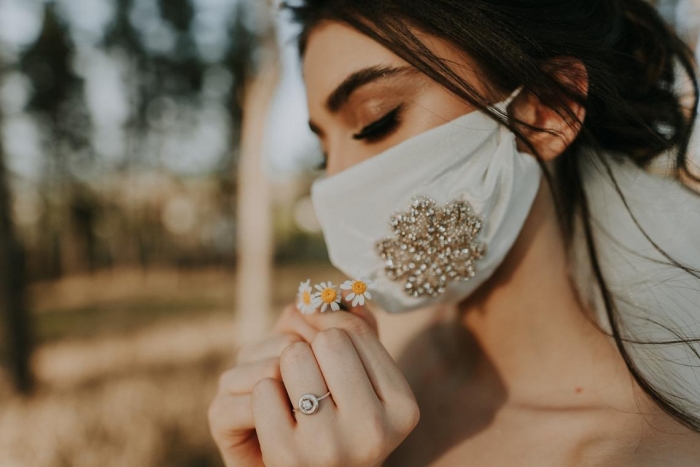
308	403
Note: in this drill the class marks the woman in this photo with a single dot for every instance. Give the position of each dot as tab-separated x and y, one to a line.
491	159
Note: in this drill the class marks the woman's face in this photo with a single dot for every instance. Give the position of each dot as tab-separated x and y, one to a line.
363	98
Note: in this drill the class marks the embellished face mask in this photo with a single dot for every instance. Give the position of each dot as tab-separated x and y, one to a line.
430	219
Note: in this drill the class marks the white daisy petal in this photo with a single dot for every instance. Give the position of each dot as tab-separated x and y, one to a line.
357	299
334	306
323	307
349	296
368	295
361	300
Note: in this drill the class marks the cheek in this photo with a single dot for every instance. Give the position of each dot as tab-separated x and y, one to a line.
347	153
435	106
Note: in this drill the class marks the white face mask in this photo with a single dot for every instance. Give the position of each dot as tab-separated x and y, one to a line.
430	219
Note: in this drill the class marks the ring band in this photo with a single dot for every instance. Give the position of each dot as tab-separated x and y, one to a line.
308	403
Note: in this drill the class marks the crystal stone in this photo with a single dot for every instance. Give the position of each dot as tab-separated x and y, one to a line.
432	246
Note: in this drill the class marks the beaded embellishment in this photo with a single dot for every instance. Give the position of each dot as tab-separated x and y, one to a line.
432	246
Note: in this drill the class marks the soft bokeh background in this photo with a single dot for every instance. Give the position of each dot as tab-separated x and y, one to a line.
155	165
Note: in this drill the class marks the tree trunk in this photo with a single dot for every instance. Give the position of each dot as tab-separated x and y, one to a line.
255	233
15	336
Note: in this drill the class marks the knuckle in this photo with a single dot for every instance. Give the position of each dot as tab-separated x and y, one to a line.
329	338
263	387
289	339
356	325
214	419
271	368
243	353
288	315
294	352
225	379
408	415
212	412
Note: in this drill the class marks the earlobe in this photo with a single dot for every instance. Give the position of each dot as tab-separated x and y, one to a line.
551	131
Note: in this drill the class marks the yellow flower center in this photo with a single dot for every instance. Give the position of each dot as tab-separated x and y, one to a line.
306	298
329	295
359	287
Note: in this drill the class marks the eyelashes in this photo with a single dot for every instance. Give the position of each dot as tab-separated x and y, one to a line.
381	128
323	164
375	131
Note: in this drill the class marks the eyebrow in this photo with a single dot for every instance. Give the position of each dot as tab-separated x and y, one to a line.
360	78
356	80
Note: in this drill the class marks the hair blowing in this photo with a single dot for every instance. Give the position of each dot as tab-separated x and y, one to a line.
632	60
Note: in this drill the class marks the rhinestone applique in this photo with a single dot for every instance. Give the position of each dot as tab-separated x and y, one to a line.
432	246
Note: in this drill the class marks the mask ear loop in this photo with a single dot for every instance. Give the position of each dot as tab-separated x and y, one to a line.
503	105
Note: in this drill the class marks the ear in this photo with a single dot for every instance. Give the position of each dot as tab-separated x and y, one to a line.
559	130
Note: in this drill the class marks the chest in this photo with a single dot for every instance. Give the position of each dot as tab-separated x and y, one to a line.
477	438
468	418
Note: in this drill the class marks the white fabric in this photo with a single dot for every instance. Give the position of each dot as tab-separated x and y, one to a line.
472	157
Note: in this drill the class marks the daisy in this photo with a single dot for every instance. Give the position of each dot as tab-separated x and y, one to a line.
305	299
327	295
358	290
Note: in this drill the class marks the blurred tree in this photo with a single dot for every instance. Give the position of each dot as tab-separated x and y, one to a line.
123	39
58	98
240	59
173	77
14	318
155	76
58	105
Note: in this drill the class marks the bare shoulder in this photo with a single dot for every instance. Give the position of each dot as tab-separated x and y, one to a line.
660	442
672	446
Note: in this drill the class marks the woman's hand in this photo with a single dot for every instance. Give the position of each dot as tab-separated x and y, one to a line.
370	411
230	415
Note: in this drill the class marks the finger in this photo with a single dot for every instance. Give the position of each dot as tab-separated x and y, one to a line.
381	369
343	372
292	321
269	348
362	312
228	414
272	415
242	378
301	375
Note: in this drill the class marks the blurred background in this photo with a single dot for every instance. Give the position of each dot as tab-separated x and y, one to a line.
155	165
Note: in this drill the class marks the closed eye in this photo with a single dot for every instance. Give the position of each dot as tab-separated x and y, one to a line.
382	127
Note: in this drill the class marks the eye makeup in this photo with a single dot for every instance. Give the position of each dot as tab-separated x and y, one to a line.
375	131
381	127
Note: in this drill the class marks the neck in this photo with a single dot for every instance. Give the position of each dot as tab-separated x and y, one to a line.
530	325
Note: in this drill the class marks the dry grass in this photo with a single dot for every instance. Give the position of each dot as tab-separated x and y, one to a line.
122	385
132	401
